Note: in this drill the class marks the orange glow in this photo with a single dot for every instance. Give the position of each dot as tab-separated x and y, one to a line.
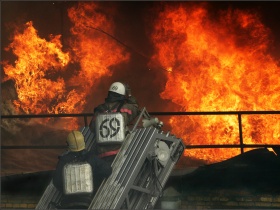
217	64
37	58
40	68
211	63
92	48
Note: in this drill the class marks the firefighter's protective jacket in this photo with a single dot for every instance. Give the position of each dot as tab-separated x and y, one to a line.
100	169
115	103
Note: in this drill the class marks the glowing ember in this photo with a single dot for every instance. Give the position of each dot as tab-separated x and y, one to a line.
217	65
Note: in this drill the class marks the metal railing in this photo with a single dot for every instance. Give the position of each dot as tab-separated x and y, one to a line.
86	115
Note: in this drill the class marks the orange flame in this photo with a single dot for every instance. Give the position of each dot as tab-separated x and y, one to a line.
41	65
217	65
36	59
94	50
212	64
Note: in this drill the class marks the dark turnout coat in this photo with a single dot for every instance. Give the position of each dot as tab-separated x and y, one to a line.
115	103
100	169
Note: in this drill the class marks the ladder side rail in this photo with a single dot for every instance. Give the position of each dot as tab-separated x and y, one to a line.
129	181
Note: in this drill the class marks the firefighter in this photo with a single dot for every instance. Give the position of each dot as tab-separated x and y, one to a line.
88	170
119	100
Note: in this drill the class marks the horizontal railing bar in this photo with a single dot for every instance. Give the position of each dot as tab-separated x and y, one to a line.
215	113
151	113
34	147
187	146
46	115
231	146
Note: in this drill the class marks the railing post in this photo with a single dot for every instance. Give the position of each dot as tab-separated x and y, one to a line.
240	133
85	121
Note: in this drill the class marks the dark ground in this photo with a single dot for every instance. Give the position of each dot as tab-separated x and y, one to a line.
256	171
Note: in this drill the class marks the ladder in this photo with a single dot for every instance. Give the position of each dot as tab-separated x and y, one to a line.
140	171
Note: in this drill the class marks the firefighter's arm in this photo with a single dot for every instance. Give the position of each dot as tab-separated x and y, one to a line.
57	174
102	167
132	100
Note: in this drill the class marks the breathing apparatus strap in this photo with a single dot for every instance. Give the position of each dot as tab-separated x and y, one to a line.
106	108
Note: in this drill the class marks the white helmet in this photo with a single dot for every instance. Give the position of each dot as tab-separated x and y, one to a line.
118	87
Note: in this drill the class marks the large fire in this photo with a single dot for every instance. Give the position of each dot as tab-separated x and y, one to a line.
219	64
212	64
36	58
41	66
